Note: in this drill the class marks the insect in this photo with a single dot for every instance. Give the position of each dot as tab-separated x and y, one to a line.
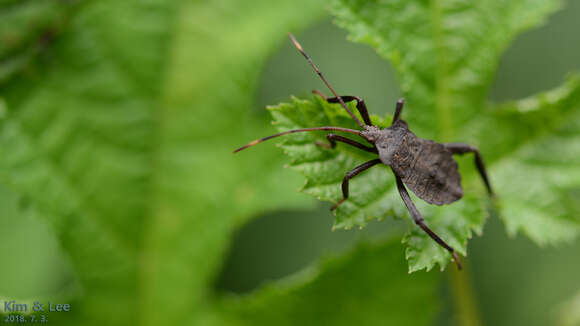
424	166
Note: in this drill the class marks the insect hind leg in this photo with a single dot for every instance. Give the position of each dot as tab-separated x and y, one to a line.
421	222
461	148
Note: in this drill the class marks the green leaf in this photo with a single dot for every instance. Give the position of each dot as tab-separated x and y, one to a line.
122	142
446	54
27	28
569	312
373	192
538	176
325	168
369	286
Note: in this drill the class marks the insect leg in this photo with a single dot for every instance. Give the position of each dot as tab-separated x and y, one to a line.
333	138
398	109
351	174
421	222
360	104
460	148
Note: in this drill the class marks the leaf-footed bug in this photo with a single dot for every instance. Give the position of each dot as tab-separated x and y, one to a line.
424	166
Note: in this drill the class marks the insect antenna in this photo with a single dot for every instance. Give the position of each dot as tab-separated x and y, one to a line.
299	47
257	141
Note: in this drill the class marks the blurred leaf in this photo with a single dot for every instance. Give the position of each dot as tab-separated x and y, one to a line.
121	144
538	174
445	52
369	286
569	312
26	28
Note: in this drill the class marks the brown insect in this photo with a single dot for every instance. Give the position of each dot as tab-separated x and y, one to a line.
424	166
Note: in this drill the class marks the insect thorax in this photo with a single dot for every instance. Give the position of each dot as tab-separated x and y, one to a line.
391	140
427	168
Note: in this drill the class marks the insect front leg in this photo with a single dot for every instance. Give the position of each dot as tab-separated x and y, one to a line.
461	148
421	222
351	174
333	138
360	104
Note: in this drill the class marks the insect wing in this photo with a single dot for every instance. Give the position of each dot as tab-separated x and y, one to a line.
428	169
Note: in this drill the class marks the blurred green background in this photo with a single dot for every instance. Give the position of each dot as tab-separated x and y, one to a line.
514	282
